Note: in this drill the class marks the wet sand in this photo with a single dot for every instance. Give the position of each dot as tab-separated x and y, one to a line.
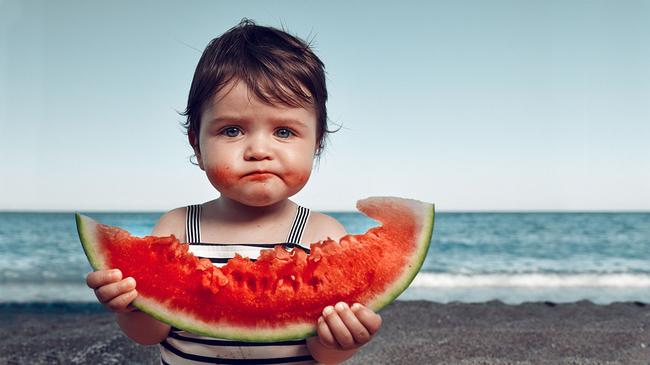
414	332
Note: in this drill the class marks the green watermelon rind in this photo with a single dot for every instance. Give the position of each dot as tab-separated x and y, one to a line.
85	229
417	259
176	318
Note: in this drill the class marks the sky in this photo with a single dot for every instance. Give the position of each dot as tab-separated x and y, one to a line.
473	105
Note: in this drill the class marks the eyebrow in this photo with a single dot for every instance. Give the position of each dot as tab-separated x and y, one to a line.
223	120
232	119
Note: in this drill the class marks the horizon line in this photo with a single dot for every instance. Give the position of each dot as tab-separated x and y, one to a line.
454	211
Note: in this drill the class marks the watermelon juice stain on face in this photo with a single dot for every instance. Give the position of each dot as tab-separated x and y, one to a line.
255	153
224	176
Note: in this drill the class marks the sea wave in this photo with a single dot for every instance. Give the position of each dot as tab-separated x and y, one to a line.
537	280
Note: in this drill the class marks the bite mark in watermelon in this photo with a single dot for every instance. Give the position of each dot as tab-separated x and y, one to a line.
281	294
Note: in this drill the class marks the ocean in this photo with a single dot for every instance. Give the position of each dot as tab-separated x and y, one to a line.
474	257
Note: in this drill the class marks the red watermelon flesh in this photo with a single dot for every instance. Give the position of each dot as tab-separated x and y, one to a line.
281	294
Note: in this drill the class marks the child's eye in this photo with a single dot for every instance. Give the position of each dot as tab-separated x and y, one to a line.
283	133
231	131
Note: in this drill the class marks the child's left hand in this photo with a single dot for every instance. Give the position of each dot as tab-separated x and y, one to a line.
344	328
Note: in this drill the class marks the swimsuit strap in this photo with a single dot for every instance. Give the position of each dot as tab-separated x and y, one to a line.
193	224
298	226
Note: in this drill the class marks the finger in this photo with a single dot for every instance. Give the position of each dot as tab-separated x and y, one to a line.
370	320
99	278
131	307
359	332
121	303
106	293
325	336
337	327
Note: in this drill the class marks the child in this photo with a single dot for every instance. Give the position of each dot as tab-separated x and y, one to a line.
256	119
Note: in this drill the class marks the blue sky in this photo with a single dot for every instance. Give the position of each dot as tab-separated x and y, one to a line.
473	105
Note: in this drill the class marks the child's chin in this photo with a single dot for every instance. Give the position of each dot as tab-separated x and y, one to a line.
261	200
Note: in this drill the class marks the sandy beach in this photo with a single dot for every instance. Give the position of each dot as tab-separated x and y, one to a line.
414	332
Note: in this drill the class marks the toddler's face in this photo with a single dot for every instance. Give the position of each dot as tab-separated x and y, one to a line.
252	152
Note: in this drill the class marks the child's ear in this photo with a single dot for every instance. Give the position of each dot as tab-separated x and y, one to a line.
195	146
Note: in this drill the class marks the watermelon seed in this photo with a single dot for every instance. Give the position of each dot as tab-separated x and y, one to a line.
252	285
314	282
237	276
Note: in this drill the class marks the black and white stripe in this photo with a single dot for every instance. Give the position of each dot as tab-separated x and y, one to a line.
181	347
298	226
193	224
182	350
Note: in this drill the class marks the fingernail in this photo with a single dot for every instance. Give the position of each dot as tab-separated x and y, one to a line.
131	281
341	306
356	306
328	310
320	319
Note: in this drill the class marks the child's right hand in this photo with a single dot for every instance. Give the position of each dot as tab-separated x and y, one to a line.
112	291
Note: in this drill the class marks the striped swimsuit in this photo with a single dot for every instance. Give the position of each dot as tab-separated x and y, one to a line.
181	347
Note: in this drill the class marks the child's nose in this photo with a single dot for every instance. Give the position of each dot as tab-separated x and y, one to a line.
257	149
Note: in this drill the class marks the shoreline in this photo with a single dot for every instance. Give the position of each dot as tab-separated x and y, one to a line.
414	332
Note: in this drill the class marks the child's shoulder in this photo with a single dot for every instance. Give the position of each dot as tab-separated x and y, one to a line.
171	223
321	226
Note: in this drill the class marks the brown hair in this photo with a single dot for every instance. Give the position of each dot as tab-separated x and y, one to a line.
275	66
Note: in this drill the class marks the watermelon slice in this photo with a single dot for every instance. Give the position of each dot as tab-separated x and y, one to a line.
280	295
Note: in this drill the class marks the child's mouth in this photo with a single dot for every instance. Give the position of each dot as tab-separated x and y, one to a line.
258	176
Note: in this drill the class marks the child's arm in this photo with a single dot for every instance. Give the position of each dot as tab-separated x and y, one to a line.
341	331
142	328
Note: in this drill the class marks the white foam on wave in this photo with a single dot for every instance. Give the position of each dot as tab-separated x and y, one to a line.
624	280
45	292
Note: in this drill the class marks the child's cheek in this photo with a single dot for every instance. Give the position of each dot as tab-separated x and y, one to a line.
223	176
297	179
